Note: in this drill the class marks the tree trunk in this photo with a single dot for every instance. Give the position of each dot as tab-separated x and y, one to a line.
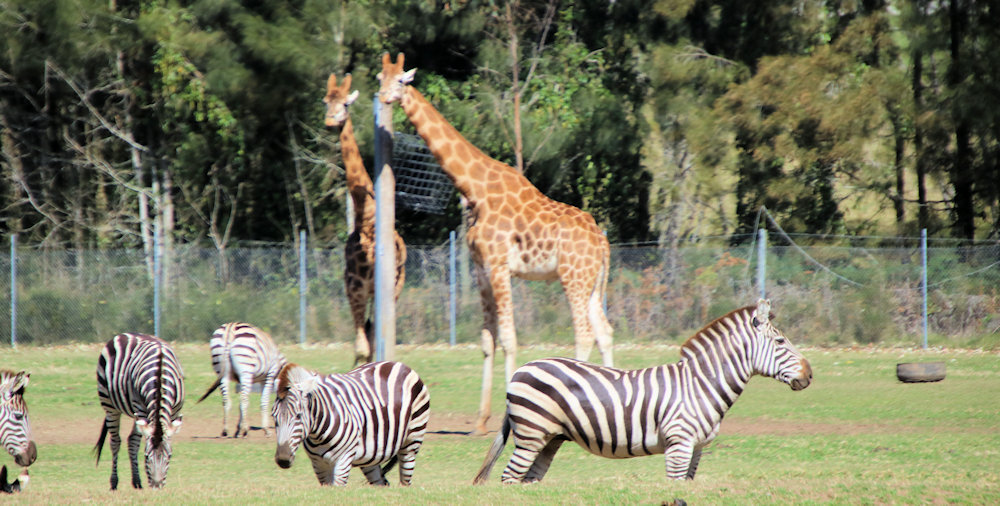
962	170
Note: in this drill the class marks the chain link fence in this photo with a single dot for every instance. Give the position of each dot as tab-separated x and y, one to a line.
825	292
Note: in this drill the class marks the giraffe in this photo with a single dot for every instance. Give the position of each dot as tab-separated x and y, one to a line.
359	252
514	230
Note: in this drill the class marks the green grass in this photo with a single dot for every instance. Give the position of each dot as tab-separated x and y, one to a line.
856	435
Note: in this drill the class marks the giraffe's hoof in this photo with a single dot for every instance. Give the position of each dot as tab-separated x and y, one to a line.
225	433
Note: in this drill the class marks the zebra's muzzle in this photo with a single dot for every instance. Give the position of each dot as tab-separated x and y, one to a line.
27	457
284	456
805	379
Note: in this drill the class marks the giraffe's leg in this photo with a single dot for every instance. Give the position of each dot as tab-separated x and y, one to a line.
500	280
246	384
359	293
578	290
113	421
599	323
488	342
400	266
134	440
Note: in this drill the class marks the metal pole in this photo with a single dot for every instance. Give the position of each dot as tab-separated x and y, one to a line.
303	287
385	251
13	290
923	279
452	288
157	269
761	261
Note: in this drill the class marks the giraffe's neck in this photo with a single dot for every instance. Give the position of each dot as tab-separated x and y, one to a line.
359	184
467	166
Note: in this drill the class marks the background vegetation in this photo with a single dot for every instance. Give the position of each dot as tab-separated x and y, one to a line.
668	120
855	436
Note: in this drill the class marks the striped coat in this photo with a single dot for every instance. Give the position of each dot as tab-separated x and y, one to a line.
369	417
248	355
139	376
673	410
15	429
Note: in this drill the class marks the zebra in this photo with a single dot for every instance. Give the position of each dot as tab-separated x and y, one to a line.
246	354
139	376
15	430
374	415
673	409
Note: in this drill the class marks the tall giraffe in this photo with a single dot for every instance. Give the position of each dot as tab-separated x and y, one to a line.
514	230
359	252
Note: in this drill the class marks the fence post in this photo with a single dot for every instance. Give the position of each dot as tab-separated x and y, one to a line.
761	261
303	287
385	250
923	280
452	284
13	290
157	269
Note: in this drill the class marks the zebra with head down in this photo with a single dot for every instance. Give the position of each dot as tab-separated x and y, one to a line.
674	410
369	418
139	376
15	430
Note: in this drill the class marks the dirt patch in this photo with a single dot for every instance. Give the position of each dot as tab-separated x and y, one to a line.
209	429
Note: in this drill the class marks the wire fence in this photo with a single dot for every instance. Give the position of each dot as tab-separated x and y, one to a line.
825	291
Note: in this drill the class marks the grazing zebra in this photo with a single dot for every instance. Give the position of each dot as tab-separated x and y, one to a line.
15	431
376	414
672	409
244	353
139	376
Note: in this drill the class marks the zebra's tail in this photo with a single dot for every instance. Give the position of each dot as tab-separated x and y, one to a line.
494	453
100	441
218	381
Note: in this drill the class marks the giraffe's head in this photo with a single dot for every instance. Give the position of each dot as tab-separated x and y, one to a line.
337	100
392	79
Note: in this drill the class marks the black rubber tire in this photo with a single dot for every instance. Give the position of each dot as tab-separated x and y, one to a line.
920	372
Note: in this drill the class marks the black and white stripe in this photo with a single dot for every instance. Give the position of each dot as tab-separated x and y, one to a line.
15	431
374	415
248	355
672	409
139	376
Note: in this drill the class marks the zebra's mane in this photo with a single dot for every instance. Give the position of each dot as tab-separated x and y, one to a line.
291	375
158	429
707	334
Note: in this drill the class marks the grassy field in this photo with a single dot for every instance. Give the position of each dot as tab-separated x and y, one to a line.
855	436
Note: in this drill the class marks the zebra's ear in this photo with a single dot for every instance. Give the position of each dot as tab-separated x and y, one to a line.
175	427
143	427
762	313
20	381
308	384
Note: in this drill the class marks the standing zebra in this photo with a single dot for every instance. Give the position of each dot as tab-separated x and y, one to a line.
367	417
138	375
244	353
672	409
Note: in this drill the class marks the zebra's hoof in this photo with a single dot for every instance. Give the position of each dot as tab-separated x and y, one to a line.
225	433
